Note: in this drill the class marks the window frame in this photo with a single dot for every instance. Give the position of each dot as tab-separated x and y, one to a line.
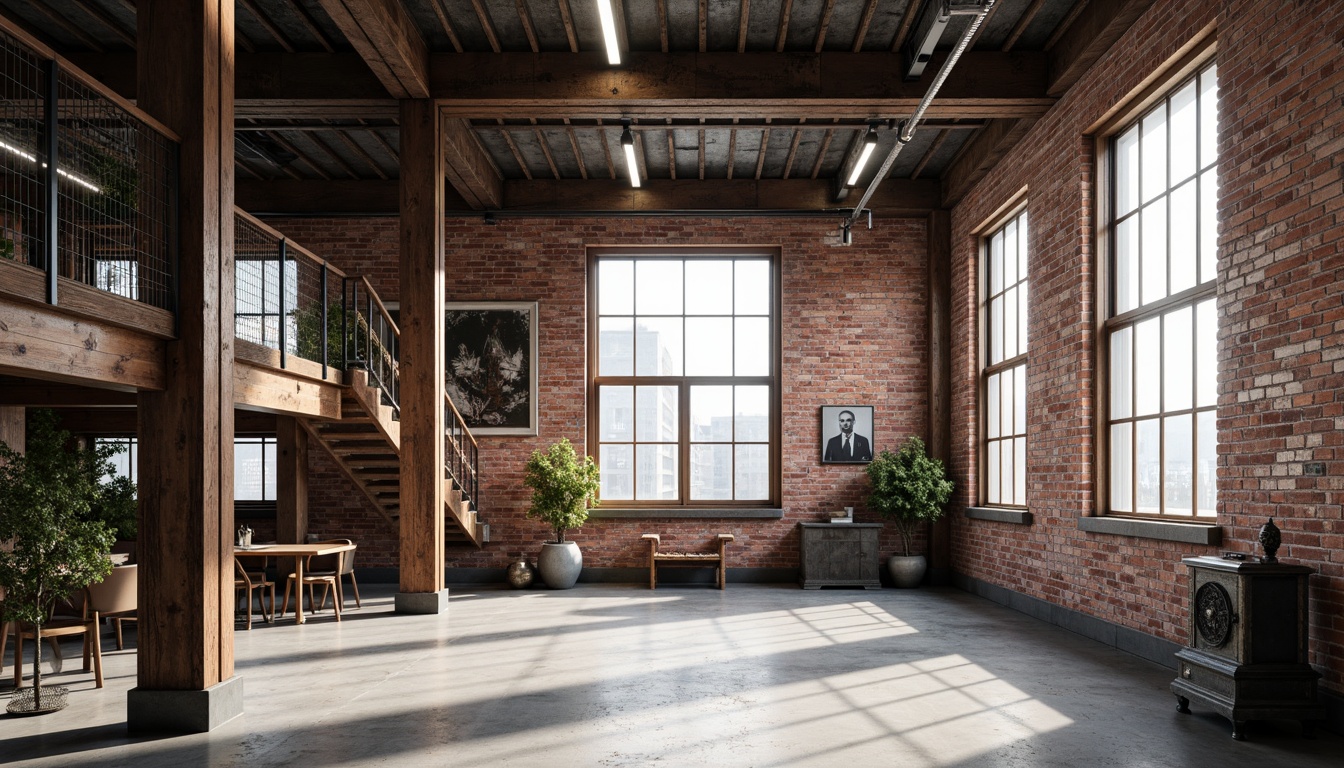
1015	209
774	379
1196	58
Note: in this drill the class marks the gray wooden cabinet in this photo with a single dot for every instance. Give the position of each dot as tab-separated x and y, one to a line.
838	555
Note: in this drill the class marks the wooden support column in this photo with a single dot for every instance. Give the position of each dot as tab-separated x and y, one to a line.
940	379
13	428
422	359
291	486
185	658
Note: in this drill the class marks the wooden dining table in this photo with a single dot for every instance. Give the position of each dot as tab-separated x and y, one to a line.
300	553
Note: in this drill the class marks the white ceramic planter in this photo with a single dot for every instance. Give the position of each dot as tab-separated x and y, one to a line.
907	571
559	564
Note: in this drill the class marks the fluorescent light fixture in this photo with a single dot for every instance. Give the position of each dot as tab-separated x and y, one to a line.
13	150
628	144
608	17
869	144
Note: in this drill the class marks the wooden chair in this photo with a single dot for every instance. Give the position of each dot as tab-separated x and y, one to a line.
54	629
320	569
247	583
115	597
719	559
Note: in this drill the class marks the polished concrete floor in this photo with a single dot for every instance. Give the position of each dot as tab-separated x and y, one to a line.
685	676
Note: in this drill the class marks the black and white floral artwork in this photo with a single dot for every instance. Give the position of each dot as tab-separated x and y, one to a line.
491	353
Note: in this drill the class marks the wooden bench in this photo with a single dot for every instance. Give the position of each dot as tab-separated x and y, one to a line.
717	559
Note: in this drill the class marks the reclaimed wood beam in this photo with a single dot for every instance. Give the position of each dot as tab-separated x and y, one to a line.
383	33
818	86
1090	35
898	197
979	155
41	341
469	169
598	193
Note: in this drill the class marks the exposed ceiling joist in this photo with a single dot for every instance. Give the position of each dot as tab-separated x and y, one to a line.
468	168
1096	28
386	37
597	195
979	156
655	86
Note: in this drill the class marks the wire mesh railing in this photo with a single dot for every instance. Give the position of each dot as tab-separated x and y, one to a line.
292	301
88	184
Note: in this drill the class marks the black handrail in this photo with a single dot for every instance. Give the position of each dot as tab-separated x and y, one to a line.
461	455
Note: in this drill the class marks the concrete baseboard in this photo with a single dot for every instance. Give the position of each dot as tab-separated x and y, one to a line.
1131	641
151	711
634	576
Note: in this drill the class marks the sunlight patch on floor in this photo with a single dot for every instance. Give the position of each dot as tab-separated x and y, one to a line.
933	712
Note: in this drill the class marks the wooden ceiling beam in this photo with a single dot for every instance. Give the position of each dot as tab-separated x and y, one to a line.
862	31
104	18
468	167
985	84
383	33
1090	35
567	18
896	197
814	85
823	26
268	25
979	155
893	198
446	25
310	24
1023	21
487	25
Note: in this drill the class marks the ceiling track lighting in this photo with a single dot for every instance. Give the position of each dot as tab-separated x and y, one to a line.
867	146
607	15
628	144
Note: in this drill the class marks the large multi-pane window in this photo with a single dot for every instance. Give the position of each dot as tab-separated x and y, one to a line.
1162	329
1004	377
126	461
685	378
254	468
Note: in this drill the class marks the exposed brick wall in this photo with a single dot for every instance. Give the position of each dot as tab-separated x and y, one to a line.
874	352
1281	348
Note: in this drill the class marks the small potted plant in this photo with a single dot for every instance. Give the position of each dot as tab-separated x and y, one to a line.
909	488
54	550
563	487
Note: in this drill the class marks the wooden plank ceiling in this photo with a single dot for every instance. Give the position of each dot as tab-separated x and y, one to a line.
734	104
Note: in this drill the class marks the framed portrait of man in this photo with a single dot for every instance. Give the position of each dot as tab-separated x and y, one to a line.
491	356
846	434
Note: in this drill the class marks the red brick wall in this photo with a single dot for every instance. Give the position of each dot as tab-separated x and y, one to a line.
875	353
1281	348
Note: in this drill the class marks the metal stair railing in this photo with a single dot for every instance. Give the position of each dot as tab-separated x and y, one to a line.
460	454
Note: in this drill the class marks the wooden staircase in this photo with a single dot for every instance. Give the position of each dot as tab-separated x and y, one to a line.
366	444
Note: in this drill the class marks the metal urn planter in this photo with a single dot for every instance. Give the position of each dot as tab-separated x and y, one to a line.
907	571
559	564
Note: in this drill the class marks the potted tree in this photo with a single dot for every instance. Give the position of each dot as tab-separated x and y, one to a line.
562	489
909	488
53	548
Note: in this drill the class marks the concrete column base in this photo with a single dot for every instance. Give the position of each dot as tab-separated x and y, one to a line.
421	602
150	711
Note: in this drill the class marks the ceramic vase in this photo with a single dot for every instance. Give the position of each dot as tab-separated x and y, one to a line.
907	571
559	564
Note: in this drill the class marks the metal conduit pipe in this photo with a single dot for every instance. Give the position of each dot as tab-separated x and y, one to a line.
907	127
